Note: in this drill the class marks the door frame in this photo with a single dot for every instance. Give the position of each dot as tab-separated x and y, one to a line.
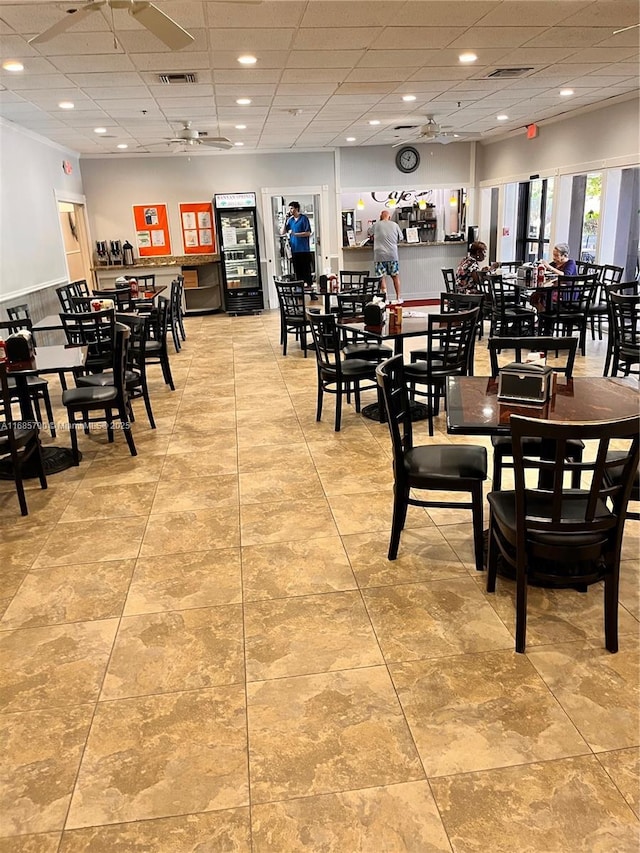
323	244
84	236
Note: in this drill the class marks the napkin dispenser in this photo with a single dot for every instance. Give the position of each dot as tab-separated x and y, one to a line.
20	348
526	383
374	314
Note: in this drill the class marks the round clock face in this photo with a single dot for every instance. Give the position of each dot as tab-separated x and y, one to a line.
407	159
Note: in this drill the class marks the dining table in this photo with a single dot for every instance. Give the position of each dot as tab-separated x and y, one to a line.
53	323
48	360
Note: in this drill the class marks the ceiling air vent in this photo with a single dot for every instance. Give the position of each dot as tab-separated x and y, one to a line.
406	126
171	79
507	73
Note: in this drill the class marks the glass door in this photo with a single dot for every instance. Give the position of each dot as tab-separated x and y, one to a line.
239	248
535	206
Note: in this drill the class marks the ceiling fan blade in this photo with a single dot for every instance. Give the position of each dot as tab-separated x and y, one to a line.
403	142
217	142
161	25
67	22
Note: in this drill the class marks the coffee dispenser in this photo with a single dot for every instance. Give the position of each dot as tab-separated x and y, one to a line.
115	253
127	254
102	255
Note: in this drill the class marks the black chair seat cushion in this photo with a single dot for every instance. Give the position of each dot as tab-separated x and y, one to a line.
446	462
614	475
503	506
353	368
22	436
89	396
367	351
419	370
153	346
34	383
131	379
531	446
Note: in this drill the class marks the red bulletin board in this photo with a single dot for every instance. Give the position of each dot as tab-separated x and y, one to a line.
152	230
198	234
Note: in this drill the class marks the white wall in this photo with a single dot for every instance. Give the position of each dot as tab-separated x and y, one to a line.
113	185
602	138
31	246
374	166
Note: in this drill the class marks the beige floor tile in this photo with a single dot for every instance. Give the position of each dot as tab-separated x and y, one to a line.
96	502
161	756
430	620
274	456
213	832
318	633
21	544
295	568
177	650
10	580
424	555
343	730
196	493
623	766
630	587
285	521
475	712
123	470
396	818
45	505
54	666
41	752
342	481
93	542
288	484
203	529
182	581
44	843
283	432
569	805
189	465
73	593
599	691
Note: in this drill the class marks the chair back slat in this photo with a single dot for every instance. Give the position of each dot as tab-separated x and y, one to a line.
537	343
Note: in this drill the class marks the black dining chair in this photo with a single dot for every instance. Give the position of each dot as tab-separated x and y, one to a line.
120	296
449	352
96	331
112	399
337	375
350	305
566	307
173	318
623	347
454	302
431	467
350	278
293	315
508	315
156	349
136	368
79	288
19	441
557	535
449	276
563	351
65	294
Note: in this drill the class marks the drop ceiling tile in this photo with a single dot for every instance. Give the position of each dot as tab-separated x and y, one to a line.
167	62
246	89
619	69
35	82
338	14
106	62
186	103
79	43
241	76
34	66
612	13
251	39
444	76
533	13
435	13
327	38
320	75
180	91
408	38
222	59
603	54
229	100
223	15
104	92
299	100
380	75
321	59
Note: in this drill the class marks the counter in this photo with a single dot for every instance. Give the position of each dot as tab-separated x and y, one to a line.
420	266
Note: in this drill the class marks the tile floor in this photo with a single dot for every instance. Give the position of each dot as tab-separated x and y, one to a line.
205	648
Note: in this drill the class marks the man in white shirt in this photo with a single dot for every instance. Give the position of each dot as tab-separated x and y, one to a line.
386	236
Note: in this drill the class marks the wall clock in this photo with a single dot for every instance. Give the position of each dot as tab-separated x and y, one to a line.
407	159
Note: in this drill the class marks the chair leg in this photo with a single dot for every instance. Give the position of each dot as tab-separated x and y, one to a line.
49	410
319	400
521	609
126	426
338	420
611	583
74	439
147	402
42	475
492	558
497	470
166	373
400	507
476	500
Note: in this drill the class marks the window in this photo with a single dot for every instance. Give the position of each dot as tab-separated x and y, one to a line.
535	204
591	218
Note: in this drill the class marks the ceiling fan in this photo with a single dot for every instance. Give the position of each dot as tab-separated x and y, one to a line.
431	131
149	15
188	138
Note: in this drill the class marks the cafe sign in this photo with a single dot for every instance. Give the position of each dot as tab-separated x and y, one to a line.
398	198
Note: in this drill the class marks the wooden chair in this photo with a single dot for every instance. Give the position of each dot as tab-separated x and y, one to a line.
599	309
559	535
96	331
293	316
337	375
449	276
623	354
350	278
18	441
37	386
156	349
439	467
566	307
508	316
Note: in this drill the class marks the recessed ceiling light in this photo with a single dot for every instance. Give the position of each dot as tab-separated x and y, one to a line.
408	97
238	144
566	92
13	65
374	121
66	105
467	57
247	60
99	129
243	101
123	145
241	127
502	117
350	138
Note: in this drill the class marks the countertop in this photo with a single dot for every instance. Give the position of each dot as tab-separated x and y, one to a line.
408	245
163	261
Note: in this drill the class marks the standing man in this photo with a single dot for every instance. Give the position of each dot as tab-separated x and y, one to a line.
386	236
298	228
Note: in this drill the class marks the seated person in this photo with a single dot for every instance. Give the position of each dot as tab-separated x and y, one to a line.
467	280
561	264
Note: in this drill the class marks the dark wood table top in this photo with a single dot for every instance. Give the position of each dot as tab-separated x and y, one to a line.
55	359
473	407
411	327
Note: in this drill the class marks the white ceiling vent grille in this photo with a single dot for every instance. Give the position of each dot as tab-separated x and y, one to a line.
507	73
172	79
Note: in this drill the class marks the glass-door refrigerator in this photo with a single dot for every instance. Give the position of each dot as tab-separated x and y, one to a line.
237	231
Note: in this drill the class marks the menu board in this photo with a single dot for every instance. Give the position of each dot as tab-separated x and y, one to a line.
196	221
152	230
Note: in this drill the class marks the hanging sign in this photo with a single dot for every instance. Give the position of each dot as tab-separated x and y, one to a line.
196	221
152	230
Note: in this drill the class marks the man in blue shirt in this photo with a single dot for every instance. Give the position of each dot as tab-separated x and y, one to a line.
298	228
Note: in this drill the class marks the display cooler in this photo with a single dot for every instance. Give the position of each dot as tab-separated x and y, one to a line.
237	231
